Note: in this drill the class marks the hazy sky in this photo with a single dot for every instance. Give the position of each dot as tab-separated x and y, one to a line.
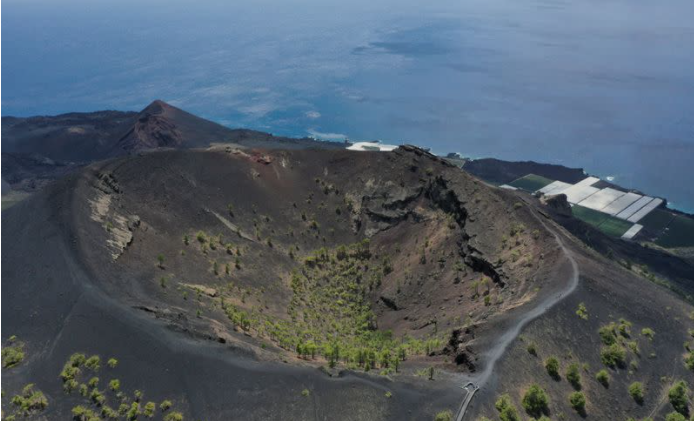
604	85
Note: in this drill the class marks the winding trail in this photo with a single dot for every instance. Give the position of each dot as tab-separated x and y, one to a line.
497	350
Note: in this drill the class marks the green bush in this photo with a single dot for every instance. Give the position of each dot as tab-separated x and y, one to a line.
552	366
535	401
149	409
114	385
582	311
689	361
30	400
532	349
507	411
613	355
648	332
578	402
174	416
93	363
603	377
112	363
675	416
444	416
12	355
165	404
678	397
607	334
573	375
636	392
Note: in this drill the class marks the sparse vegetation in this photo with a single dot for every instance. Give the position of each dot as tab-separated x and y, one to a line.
29	401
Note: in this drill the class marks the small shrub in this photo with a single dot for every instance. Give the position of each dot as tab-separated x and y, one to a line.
174	416
648	332
305	393
507	411
114	385
603	377
149	409
532	349
93	363
30	400
112	363
607	334
573	375
535	401
552	366
689	361
636	392
578	402
12	355
133	412
582	311
613	355
444	416
165	405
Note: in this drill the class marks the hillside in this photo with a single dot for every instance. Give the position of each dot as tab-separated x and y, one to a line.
254	283
38	150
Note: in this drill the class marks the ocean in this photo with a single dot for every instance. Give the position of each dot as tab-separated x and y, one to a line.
603	85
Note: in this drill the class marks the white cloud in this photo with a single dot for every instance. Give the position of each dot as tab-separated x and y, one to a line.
312	114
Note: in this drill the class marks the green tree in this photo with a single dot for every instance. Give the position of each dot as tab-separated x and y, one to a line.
578	402
535	401
675	416
678	395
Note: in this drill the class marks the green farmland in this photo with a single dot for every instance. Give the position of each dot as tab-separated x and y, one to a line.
609	225
530	182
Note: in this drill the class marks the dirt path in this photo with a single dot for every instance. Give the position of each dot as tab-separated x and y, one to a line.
497	350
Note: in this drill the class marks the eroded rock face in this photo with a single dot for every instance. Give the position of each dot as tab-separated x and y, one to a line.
557	203
459	349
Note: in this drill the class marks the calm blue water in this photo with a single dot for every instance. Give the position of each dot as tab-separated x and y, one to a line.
607	85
